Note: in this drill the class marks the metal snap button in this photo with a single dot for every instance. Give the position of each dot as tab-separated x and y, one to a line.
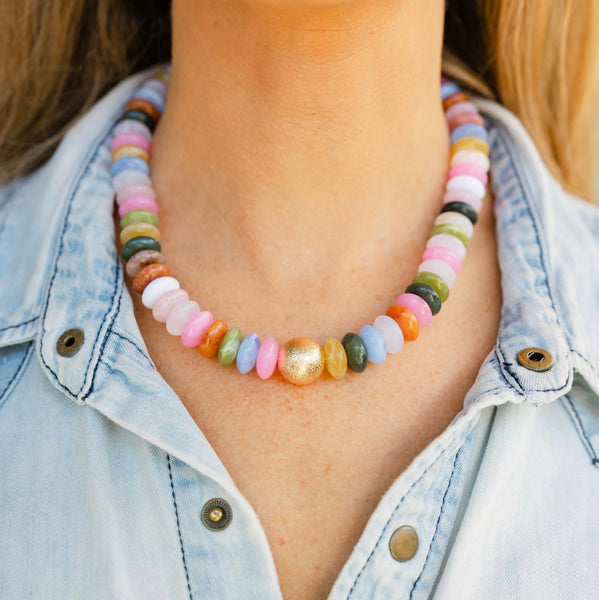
69	342
217	514
535	359
403	543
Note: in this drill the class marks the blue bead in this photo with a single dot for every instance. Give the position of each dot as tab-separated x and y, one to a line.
129	163
375	344
469	130
247	353
448	88
151	96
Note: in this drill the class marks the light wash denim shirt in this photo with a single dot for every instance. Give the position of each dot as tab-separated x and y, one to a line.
104	475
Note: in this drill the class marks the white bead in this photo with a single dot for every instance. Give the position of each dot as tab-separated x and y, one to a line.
440	268
468	184
448	241
128	177
157	288
179	315
391	332
457	219
473	157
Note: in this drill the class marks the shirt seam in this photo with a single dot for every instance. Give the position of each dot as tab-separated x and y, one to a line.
577	422
17	373
19	324
170	474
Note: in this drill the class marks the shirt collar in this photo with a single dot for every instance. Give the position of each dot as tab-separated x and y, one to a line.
67	274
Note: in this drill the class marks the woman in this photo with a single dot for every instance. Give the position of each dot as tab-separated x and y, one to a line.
300	163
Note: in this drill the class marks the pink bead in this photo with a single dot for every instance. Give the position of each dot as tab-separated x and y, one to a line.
418	306
469	169
473	118
475	157
179	315
135	189
440	268
448	241
461	108
268	355
195	328
468	184
167	302
135	202
463	196
157	85
444	254
130	138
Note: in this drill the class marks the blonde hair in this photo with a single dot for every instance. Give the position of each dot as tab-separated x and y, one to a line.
540	59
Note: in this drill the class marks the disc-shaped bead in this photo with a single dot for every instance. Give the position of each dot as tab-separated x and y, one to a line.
139	216
469	143
133	126
135	151
406	319
476	202
357	354
138	230
248	353
149	273
375	344
335	358
129	177
212	338
138	115
427	293
465	182
137	244
137	203
144	106
301	361
179	315
268	356
445	240
435	282
463	209
445	254
157	288
135	189
440	268
451	230
195	328
129	163
163	306
457	219
227	350
391	331
139	260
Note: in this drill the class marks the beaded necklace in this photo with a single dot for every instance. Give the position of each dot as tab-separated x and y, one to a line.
301	360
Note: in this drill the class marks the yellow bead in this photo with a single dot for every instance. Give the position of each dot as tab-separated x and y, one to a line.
123	151
470	143
335	358
301	361
138	229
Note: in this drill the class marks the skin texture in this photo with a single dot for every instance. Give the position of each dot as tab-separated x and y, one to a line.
299	166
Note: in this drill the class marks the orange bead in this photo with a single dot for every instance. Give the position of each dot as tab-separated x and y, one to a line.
454	99
406	320
145	106
470	143
149	273
123	151
212	338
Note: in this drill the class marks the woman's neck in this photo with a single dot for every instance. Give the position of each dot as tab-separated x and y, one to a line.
289	119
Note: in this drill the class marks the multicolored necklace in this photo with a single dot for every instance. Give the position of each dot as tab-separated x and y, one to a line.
301	360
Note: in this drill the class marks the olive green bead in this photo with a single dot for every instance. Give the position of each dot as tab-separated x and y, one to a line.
452	230
137	244
227	351
357	355
139	216
436	282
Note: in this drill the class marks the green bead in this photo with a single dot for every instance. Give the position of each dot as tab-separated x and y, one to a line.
139	216
357	355
436	282
138	115
227	351
427	293
137	244
452	230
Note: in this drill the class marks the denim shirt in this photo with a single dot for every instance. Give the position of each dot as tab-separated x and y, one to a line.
104	475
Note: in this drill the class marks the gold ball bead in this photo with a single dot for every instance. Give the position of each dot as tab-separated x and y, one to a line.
301	361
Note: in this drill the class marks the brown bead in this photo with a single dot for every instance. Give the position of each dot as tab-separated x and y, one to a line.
454	99
144	106
212	338
149	273
406	320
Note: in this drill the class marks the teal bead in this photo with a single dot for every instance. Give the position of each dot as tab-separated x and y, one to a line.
227	351
436	282
137	244
428	294
357	355
139	216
